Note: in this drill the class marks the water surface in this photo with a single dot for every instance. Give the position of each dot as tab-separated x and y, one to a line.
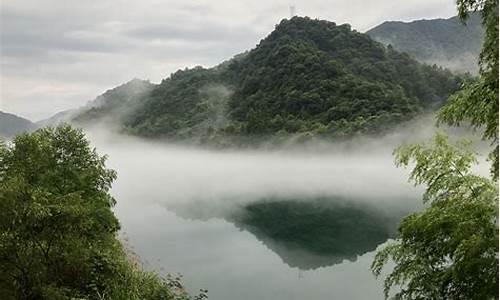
260	225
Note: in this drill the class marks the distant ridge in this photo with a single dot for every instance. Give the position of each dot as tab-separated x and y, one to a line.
445	42
112	106
11	124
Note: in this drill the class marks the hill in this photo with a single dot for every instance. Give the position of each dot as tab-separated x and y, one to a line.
115	104
308	77
446	42
10	125
112	107
60	117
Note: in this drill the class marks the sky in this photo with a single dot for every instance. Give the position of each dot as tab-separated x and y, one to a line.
60	54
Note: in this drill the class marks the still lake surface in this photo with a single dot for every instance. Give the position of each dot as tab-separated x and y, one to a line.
233	263
258	225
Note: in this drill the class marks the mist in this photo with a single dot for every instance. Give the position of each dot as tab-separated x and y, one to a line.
466	62
174	174
360	169
263	214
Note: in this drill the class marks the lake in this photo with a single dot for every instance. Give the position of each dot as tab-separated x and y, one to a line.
260	224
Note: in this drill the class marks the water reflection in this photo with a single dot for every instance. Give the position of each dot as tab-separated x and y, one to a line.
307	234
246	224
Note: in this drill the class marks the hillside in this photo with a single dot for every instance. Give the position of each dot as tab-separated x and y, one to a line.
60	117
308	77
10	125
311	75
445	42
112	107
115	104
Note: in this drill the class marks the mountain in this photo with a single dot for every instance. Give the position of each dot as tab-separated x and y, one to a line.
445	42
112	107
115	104
307	78
10	125
60	117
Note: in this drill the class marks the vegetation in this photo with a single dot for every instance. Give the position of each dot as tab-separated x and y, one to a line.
477	103
181	105
314	76
57	231
445	42
308	77
450	250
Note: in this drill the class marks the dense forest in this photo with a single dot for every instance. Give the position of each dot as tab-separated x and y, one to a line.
307	78
445	42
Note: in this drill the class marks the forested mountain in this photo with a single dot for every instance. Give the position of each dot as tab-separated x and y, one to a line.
10	125
311	75
308	77
445	42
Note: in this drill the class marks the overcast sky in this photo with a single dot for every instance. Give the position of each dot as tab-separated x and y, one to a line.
59	54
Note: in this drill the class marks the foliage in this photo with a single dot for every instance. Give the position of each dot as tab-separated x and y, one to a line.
310	73
449	250
57	230
307	77
181	105
477	103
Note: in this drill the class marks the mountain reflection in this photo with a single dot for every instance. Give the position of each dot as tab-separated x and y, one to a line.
312	233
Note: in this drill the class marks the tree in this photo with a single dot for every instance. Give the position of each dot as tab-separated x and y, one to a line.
477	103
450	249
57	230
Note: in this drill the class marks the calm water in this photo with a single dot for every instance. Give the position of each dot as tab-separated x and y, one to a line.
234	264
257	225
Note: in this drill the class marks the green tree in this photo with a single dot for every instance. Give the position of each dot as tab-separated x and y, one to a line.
57	230
477	103
450	249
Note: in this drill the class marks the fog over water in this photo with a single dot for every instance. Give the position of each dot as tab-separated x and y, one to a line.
166	174
177	206
360	168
